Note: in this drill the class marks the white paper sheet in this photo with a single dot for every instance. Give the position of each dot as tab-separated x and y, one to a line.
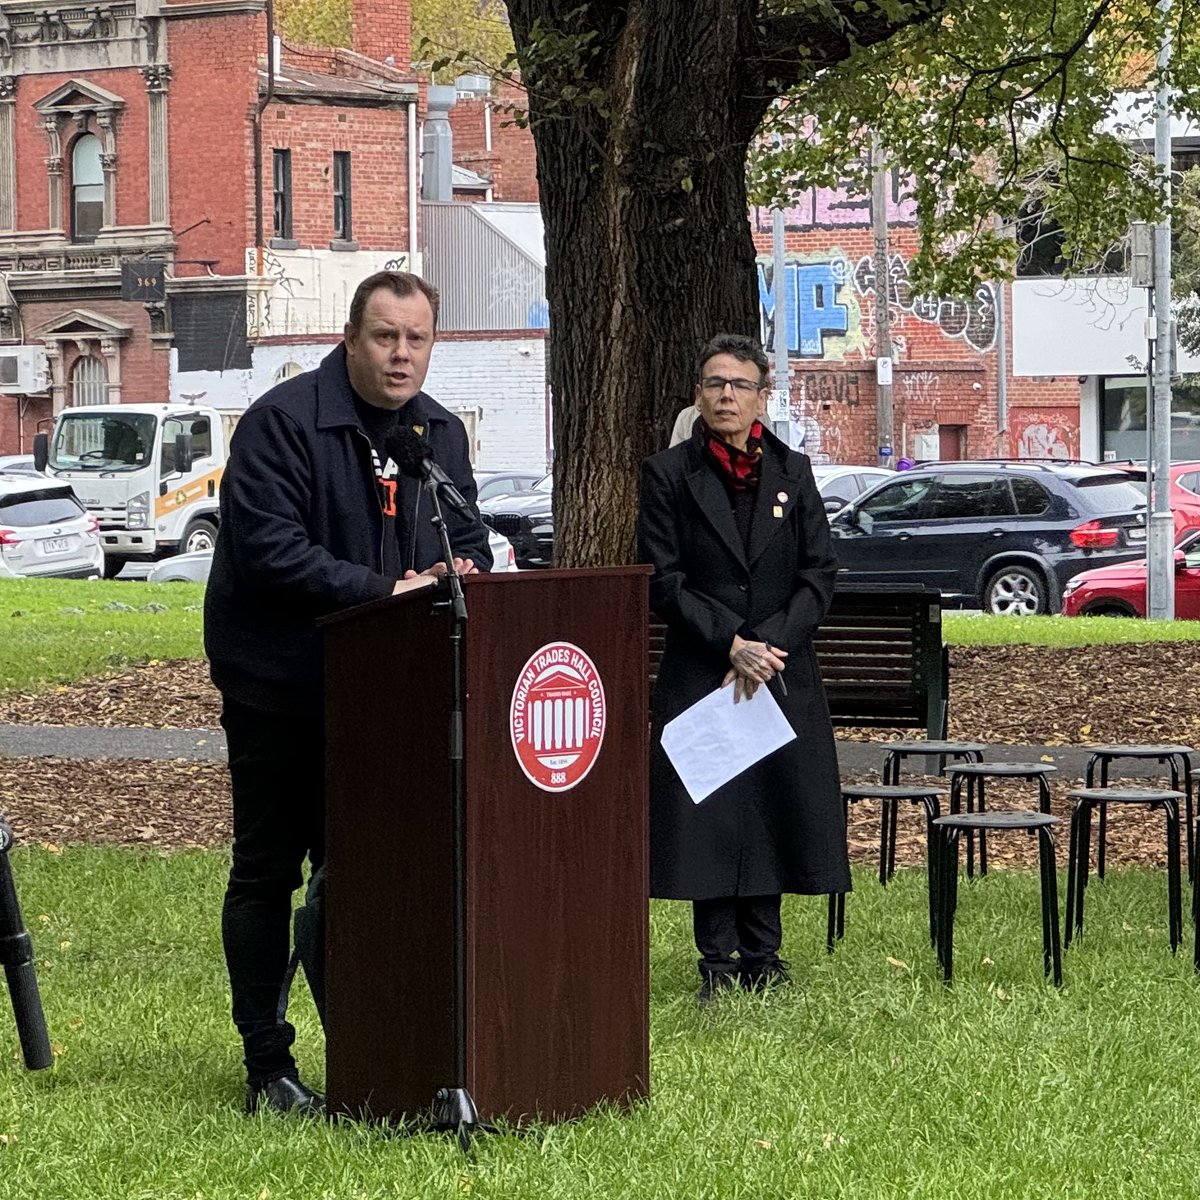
715	740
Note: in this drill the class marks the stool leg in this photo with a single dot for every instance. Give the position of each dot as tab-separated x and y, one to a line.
931	811
982	801
1085	855
1043	794
1072	868
1102	836
884	828
831	923
1051	950
1174	887
890	762
891	860
949	903
1185	761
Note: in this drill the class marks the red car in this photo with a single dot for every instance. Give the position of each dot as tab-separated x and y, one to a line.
1183	494
1120	591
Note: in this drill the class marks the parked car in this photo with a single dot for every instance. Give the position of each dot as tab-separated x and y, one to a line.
1120	591
195	568
1005	536
1183	493
18	464
45	530
504	483
527	520
839	485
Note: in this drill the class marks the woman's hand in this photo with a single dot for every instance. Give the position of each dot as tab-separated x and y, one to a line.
753	663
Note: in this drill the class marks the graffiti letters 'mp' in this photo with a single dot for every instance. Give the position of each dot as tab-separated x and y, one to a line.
813	306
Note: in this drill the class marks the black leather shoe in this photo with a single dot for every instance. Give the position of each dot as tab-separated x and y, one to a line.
776	973
713	984
285	1095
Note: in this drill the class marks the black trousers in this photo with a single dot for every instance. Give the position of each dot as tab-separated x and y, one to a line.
748	926
277	769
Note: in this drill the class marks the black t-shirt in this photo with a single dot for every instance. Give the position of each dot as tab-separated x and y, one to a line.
377	423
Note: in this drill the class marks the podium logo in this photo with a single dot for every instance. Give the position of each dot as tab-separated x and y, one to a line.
557	717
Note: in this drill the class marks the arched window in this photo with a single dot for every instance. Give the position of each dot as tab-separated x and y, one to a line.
289	370
89	381
87	189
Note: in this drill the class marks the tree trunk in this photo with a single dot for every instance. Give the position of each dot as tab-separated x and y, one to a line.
648	247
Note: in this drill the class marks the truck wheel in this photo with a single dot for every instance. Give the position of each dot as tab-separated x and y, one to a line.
201	535
113	566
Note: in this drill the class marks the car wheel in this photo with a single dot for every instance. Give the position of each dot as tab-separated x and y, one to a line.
1015	591
201	535
1107	608
113	566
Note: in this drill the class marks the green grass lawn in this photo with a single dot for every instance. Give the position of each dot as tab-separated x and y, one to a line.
867	1079
57	631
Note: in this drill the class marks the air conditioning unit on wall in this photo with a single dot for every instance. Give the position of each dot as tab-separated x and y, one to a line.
23	369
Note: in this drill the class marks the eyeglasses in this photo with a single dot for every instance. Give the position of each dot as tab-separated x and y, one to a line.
716	384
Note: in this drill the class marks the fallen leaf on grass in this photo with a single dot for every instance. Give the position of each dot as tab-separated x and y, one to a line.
829	1140
899	964
763	1145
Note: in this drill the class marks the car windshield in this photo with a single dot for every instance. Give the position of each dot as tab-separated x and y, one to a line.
39	508
103	442
1104	494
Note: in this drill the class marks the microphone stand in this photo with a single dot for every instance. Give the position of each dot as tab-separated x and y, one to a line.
16	955
456	1111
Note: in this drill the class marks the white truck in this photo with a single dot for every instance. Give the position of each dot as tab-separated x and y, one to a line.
149	473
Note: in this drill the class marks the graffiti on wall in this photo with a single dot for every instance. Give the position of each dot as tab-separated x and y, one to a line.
841	208
1043	435
821	314
972	320
824	319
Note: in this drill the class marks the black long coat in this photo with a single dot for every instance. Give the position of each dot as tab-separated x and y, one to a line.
778	827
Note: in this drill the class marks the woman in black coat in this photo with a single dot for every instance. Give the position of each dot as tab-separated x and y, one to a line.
743	574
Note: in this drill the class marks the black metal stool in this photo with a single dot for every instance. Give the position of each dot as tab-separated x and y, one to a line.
890	796
976	775
898	751
1178	760
943	879
1081	848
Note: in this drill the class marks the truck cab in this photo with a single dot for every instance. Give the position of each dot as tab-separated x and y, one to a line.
149	473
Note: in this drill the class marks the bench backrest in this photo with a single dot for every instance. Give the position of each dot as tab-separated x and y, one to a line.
880	655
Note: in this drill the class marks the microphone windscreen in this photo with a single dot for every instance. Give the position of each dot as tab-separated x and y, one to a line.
407	450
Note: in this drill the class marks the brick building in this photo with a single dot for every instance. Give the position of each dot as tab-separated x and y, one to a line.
135	132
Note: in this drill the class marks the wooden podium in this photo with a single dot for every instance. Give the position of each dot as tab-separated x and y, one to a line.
552	876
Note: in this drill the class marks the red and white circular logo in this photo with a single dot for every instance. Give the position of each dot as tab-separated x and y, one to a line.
557	717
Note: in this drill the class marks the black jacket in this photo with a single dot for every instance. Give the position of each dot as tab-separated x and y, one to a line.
301	532
778	827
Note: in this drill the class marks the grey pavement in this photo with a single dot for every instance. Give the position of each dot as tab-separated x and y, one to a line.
208	745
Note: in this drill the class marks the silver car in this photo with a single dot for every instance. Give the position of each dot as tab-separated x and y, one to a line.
194	568
45	531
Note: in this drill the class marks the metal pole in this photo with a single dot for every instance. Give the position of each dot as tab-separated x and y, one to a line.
780	342
1161	541
883	317
1001	372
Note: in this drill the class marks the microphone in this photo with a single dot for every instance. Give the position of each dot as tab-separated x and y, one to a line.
413	455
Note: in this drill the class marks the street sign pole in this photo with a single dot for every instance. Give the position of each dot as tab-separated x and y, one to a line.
1161	540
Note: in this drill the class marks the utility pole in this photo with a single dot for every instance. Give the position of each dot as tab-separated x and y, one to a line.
884	413
1161	541
781	400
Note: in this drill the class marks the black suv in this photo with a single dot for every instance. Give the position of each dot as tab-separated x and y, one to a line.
527	520
1003	536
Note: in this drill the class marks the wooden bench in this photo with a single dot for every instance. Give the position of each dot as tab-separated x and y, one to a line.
880	655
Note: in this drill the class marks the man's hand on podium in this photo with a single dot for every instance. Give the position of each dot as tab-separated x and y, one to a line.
413	582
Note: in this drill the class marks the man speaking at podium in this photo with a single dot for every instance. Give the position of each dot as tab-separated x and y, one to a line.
315	517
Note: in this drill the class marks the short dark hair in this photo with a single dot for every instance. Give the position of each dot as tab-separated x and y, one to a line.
744	349
402	283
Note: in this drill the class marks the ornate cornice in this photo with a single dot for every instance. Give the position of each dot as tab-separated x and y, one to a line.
70	23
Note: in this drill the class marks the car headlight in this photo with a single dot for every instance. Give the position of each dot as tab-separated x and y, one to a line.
1073	584
137	511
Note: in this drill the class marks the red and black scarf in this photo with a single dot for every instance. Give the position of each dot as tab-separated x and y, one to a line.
740	469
